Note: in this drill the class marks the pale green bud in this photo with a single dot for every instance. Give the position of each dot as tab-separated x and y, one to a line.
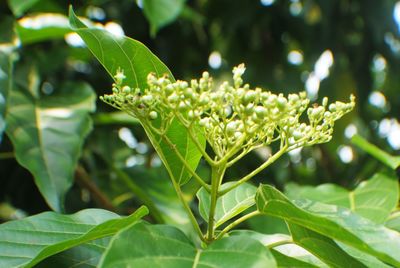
153	115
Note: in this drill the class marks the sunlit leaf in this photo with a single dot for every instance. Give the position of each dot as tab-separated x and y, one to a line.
48	134
337	223
230	204
28	241
374	199
144	245
41	27
161	13
137	61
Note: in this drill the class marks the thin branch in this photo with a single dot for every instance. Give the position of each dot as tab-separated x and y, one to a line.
237	222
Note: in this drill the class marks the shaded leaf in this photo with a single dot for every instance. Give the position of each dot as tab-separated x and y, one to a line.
394	221
19	7
137	61
28	241
334	222
230	204
144	245
374	199
6	65
48	134
322	247
82	256
161	13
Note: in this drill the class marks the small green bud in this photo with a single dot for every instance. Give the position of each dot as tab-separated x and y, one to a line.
126	90
153	115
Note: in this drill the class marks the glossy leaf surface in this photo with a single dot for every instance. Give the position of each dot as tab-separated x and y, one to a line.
374	199
230	204
48	133
334	222
28	241
137	61
144	245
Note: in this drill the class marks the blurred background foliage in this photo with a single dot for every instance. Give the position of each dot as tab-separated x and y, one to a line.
328	48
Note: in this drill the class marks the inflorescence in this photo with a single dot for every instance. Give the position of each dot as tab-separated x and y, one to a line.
230	116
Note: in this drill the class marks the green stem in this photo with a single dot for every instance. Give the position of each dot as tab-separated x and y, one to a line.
270	160
217	174
139	193
191	171
237	222
192	218
280	243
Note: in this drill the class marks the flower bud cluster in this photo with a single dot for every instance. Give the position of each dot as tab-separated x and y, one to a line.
230	115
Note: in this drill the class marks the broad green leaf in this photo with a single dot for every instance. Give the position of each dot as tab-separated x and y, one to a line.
18	7
28	241
230	204
363	257
322	247
6	66
161	13
41	27
137	61
374	199
394	221
83	256
281	245
145	245
391	161
337	223
289	262
48	134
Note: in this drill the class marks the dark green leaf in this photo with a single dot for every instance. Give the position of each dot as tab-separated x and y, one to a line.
48	134
374	199
137	61
18	7
322	247
230	204
83	256
161	13
6	65
28	241
334	222
144	245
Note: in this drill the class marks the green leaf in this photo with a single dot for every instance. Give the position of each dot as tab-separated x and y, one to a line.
145	245
28	241
394	221
18	7
281	245
48	134
82	256
334	222
6	66
42	27
374	199
322	247
230	204
391	161
289	262
138	61
161	13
